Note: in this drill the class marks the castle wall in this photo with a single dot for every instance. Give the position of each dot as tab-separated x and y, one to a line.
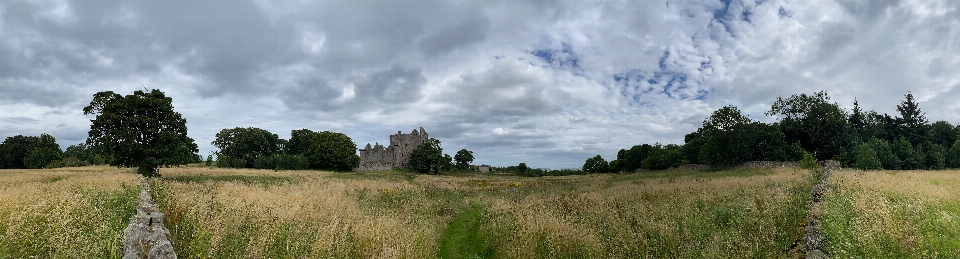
396	154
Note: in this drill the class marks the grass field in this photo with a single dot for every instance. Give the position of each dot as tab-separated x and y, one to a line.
893	214
231	213
65	213
223	213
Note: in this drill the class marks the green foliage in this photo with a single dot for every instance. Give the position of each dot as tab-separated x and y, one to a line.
248	144
29	152
595	165
808	161
330	150
209	161
81	152
888	160
941	133
42	152
724	143
282	162
522	168
463	158
693	142
229	162
14	149
427	157
819	126
907	154
864	158
139	130
953	156
936	157
631	160
912	120
663	157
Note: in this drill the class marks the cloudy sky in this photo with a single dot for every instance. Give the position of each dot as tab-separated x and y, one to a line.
547	82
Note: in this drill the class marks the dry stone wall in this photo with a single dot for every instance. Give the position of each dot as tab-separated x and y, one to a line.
145	236
397	154
812	243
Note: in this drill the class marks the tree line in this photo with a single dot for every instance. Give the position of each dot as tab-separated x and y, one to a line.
306	149
807	125
142	131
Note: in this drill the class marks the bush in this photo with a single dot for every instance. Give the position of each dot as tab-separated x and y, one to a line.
229	162
282	162
808	162
936	157
953	157
864	158
885	154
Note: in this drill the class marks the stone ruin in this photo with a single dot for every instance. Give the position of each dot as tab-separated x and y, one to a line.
397	154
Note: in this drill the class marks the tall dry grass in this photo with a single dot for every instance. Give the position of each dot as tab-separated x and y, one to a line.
893	214
266	214
65	213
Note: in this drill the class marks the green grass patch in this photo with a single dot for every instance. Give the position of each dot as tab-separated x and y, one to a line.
463	239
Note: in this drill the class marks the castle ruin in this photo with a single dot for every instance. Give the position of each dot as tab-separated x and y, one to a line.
397	154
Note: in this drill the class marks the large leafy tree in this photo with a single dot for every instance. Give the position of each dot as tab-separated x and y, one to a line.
324	150
595	165
14	149
29	151
463	158
941	133
42	152
819	126
427	157
723	145
246	144
140	130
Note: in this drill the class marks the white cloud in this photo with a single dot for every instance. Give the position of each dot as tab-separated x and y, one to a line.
548	83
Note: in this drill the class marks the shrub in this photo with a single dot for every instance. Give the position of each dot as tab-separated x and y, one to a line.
808	162
885	154
282	162
864	158
225	161
953	157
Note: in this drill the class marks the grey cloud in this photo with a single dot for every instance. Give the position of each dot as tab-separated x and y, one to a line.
470	31
52	93
313	93
395	85
508	89
18	119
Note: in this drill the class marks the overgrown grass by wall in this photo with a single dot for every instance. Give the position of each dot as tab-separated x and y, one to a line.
65	213
743	213
893	214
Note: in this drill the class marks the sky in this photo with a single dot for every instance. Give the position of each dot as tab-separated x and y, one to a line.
544	82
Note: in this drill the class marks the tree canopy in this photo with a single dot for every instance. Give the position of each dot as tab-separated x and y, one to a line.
29	152
140	130
427	157
463	158
246	145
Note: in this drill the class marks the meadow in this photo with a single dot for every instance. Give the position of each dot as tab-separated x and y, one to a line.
226	213
893	214
66	212
233	213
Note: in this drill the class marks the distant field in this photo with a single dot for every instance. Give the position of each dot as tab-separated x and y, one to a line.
218	213
893	214
65	213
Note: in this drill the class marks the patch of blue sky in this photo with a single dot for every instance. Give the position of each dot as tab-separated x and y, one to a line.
563	58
